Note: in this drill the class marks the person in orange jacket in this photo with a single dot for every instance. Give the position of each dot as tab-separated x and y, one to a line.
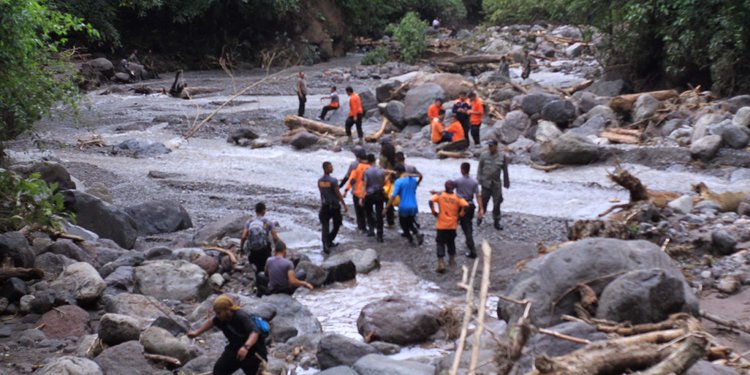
357	182
434	109
438	128
455	134
475	116
355	115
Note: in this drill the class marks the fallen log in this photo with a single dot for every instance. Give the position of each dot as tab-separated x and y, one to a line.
474	59
725	322
625	103
546	168
163	358
378	134
693	349
575	88
294	122
21	273
453	154
616	137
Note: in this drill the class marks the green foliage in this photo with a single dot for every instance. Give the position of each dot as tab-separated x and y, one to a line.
370	18
28	201
376	57
410	35
34	72
678	41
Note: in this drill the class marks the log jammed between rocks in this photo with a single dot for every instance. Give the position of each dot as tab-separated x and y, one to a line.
625	103
295	122
21	273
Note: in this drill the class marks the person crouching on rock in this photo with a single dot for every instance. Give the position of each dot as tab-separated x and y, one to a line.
245	348
279	275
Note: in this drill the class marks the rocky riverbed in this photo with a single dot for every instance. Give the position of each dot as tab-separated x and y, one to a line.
139	281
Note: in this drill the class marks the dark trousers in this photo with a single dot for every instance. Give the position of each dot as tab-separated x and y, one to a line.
475	133
494	191
258	258
445	238
390	216
359	211
325	111
407	225
454	146
468	227
374	212
327	213
228	363
465	124
302	101
261	284
351	121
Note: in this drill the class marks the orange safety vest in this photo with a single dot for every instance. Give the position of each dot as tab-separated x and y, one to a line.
457	130
433	111
437	130
476	106
355	105
357	178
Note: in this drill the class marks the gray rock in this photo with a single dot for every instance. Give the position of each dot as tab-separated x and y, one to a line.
115	329
13	289
102	65
3	304
608	88
65	321
176	325
121	77
338	370
700	129
645	107
71	250
552	347
735	137
102	218
303	139
399	321
740	174
533	103
129	259
741	119
364	260
735	103
79	283
515	124
559	111
50	172
241	134
43	301
569	148
384	91
707	368
501	95
145	309
165	216
315	274
418	99
159	341
14	246
143	149
593	126
586	100
670	126
394	112
171	279
24	303
547	131
31	337
70	365
341	272
547	279
645	296
207	263
291	319
378	364
683	204
723	242
575	49
604	111
125	359
51	264
369	102
334	350
121	279
568	31
385	347
706	148
216	281
201	364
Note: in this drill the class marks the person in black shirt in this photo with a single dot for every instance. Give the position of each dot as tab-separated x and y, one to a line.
331	202
461	109
245	341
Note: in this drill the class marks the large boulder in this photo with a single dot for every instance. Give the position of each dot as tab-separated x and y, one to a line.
65	321
155	217
547	131
314	274
303	139
52	173
418	99
102	218
707	368
386	89
735	137
171	279
645	107
71	250
515	124
125	359
704	123
14	246
69	365
645	296
227	227
334	350
398	321
534	103
741	119
452	84
129	259
559	111
52	265
79	283
378	364
368	99
596	261
394	112
341	272
706	148
115	329
569	148
159	341
364	260
291	319
145	309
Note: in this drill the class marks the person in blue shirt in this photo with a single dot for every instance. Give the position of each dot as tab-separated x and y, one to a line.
405	188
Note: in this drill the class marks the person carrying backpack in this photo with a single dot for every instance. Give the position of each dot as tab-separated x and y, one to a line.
245	334
258	238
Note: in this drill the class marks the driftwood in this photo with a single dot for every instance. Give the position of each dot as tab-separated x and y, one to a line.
483	290
178	85
473	59
163	358
21	273
399	93
546	168
625	103
575	88
562	336
727	201
724	322
638	191
96	140
693	349
232	257
453	154
469	287
378	134
294	122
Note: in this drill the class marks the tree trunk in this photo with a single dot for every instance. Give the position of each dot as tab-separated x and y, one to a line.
294	122
21	273
625	103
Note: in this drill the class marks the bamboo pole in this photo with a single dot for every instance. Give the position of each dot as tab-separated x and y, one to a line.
467	313
484	288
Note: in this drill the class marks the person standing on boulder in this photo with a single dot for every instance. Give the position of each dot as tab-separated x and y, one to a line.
258	238
330	207
492	163
357	182
475	116
245	345
467	188
405	192
332	105
355	115
451	208
374	178
301	94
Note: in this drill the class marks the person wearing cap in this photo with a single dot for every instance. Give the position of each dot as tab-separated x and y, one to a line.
475	116
450	209
468	188
245	344
492	164
357	183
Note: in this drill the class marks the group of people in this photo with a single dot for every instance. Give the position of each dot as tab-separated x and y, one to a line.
465	120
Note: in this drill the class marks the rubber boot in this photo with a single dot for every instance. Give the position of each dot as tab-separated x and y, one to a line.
497	225
440	266
451	260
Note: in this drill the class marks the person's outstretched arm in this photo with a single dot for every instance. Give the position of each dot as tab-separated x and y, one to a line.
205	327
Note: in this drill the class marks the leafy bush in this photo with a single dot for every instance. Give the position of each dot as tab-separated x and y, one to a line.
410	35
28	201
376	57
